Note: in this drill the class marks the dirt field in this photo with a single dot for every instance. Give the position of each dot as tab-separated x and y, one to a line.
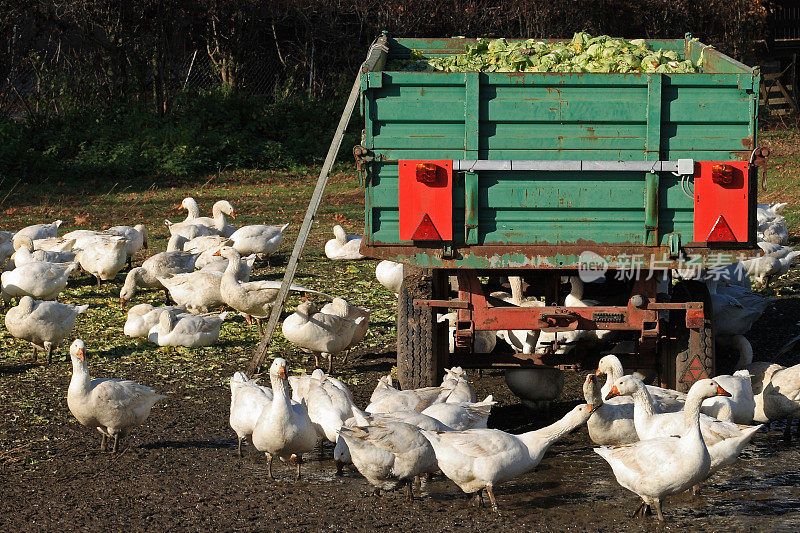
180	470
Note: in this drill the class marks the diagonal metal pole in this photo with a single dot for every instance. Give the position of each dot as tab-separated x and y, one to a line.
305	229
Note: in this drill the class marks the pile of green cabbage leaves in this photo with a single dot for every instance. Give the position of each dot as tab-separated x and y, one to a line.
583	53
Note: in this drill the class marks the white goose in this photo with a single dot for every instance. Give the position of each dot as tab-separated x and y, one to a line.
650	424
113	406
43	281
776	261
218	224
43	324
192	209
220	264
659	467
319	333
27	254
740	407
779	396
253	298
79	238
390	275
6	247
192	331
135	238
387	399
104	257
284	430
341	453
328	408
197	291
462	415
343	246
611	424
248	400
141	319
340	307
735	308
665	399
37	231
160	265
479	459
205	243
258	239
389	454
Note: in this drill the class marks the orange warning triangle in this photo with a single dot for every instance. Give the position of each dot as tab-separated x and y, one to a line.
721	232
426	231
694	372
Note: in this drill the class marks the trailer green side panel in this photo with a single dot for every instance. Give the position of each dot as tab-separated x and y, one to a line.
706	116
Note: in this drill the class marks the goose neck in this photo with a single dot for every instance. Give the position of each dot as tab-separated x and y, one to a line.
81	380
281	395
234	264
643	409
538	441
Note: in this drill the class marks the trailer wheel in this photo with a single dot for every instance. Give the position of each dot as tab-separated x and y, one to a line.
420	359
689	353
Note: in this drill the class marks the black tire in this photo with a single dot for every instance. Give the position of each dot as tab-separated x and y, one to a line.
420	361
689	354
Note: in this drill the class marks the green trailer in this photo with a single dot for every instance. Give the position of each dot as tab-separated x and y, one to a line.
472	177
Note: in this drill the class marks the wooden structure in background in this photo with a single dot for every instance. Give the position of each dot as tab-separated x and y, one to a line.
780	89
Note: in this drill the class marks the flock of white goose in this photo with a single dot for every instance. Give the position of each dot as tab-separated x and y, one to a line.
658	442
206	267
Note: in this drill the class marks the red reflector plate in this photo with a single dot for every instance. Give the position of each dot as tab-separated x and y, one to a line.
425	200
721	232
721	201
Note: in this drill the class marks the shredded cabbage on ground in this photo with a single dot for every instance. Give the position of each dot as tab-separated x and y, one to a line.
583	53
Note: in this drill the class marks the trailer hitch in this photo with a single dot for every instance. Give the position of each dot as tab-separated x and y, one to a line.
558	320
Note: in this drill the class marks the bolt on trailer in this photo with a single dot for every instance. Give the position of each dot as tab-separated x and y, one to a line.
472	177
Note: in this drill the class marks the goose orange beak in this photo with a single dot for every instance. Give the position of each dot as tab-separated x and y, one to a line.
218	252
591	409
82	354
122	302
597	372
282	372
233	215
722	392
613	393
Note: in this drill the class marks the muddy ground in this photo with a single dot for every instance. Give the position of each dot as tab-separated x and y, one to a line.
180	471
